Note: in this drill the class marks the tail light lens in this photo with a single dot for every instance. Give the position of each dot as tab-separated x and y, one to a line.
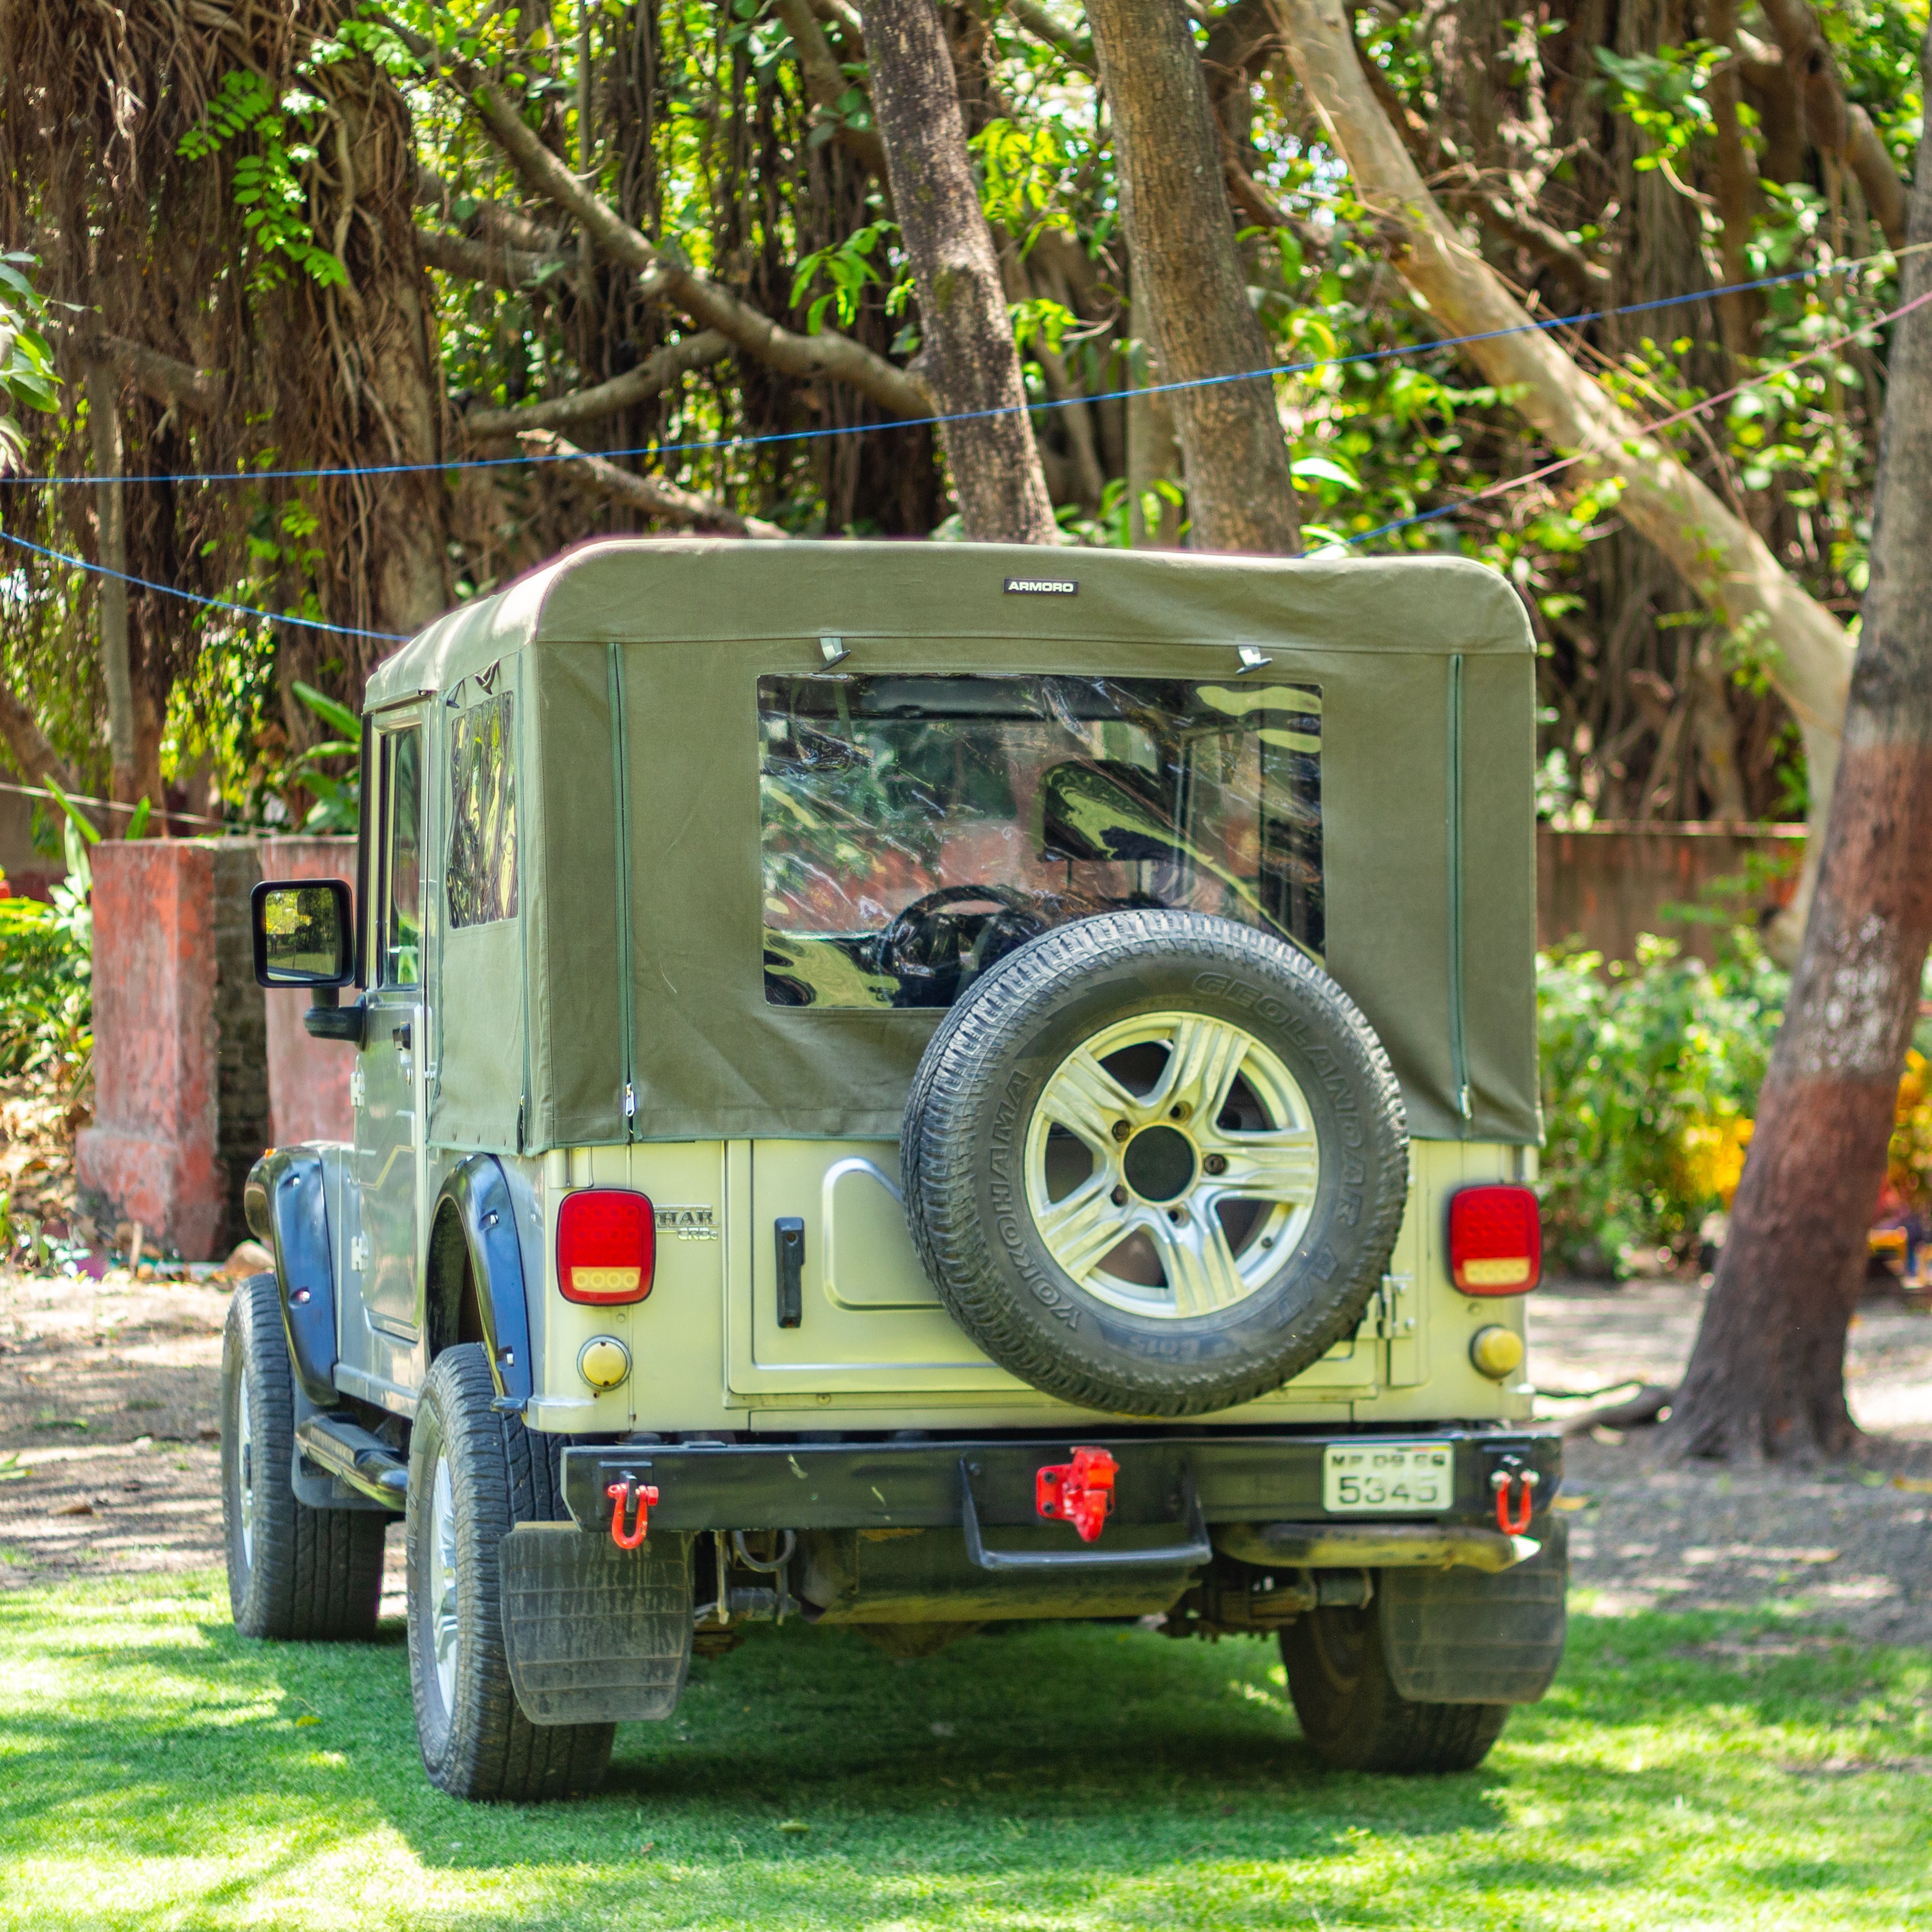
606	1246
1495	1240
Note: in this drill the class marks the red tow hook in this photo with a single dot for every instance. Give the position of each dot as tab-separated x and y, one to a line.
1509	1524
620	1495
1081	1492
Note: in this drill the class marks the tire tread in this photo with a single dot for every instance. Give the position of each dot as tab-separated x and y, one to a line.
942	1153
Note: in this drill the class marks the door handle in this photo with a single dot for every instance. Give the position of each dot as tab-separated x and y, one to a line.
400	1035
790	1230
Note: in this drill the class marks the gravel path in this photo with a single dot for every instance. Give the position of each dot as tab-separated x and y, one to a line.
108	1397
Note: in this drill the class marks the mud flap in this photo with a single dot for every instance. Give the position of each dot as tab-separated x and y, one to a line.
1465	1636
595	1633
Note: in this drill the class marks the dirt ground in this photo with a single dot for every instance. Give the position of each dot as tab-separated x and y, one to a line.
109	1461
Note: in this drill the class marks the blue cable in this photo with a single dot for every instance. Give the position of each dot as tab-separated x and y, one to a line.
191	597
392	636
729	442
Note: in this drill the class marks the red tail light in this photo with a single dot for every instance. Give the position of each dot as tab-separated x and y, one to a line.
606	1246
1495	1240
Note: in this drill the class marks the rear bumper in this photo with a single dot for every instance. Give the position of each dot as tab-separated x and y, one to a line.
1223	1479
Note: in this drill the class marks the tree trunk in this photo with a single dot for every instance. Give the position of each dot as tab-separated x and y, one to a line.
1153	456
1737	189
1767	1376
103	423
1724	561
1188	281
967	359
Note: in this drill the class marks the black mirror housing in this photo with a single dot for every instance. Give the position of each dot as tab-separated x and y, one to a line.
304	931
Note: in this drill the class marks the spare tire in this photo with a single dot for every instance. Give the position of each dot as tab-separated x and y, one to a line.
1155	1163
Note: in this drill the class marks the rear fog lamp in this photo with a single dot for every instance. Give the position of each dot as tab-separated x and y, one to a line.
1495	1240
606	1246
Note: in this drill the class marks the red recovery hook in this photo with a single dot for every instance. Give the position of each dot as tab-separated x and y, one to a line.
620	1495
1081	1492
1509	1524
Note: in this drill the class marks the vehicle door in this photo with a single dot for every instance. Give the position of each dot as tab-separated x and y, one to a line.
389	1090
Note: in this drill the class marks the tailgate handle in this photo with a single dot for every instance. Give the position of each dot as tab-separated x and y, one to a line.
1169	1556
790	1231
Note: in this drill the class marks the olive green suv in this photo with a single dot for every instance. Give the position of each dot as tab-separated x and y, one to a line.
893	1089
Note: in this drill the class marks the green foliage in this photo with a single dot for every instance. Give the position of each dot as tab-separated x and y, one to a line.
46	964
27	378
267	179
338	806
848	266
1650	1074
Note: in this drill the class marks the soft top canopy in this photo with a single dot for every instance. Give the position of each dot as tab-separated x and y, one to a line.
634	962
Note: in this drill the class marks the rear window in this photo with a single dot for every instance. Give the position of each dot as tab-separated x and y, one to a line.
915	830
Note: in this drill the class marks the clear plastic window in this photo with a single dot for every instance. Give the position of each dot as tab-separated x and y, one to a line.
402	925
482	878
914	830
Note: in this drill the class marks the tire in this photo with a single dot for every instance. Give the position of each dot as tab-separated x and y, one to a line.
294	1572
1354	1716
474	1474
1156	1284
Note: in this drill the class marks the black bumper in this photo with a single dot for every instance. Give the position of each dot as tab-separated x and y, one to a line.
927	1484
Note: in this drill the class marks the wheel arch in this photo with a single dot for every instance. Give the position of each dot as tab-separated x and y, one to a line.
475	1290
285	1199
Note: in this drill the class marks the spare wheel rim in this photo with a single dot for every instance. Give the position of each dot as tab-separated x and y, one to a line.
444	1609
1169	1149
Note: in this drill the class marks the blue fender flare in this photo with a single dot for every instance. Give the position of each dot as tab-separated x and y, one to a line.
480	1196
287	1204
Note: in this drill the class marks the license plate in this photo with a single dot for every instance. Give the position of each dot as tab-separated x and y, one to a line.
1394	1478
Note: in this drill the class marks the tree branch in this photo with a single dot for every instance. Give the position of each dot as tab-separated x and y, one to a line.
1464	189
1833	124
499	223
657	372
1870	159
1721	558
653	497
487	262
704	301
164	379
35	757
825	81
1045	29
840	14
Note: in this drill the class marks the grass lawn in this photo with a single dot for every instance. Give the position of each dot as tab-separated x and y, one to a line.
1690	1771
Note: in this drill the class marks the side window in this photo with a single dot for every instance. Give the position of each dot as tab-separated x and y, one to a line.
482	870
402	858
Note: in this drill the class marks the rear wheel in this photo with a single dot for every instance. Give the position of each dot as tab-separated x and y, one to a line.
293	1572
1353	1715
474	1475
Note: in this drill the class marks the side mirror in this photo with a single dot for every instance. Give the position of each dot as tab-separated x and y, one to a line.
304	931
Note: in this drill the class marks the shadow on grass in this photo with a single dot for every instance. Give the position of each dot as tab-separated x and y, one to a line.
1057	1774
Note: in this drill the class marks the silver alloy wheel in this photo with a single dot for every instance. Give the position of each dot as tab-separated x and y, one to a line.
445	1612
1164	1164
244	1467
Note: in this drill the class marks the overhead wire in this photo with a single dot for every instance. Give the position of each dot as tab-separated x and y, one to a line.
1042	407
1418	349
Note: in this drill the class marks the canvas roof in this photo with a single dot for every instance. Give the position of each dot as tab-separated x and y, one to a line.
636	959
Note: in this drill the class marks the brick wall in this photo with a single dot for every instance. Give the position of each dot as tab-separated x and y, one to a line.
180	1060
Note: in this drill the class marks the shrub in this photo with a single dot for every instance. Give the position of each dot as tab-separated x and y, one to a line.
1650	1073
47	1004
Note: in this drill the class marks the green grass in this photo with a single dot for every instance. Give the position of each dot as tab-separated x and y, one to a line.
156	1771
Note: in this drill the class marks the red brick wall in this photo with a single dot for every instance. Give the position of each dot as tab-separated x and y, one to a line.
177	1023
